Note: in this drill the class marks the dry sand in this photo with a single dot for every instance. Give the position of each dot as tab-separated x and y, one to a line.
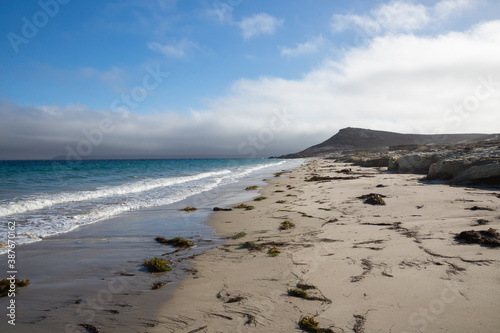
392	268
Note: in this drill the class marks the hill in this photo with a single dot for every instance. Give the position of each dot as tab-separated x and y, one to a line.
352	139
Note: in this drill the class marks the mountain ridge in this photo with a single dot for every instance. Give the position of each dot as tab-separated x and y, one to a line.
352	138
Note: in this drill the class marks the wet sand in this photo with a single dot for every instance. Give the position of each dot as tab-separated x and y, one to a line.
94	274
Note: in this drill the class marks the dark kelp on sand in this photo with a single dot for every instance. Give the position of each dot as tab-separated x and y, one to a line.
490	237
309	324
156	265
373	199
8	285
175	242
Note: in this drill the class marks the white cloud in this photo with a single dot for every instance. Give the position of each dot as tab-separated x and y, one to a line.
402	83
311	46
108	76
393	17
447	8
259	24
399	17
175	50
222	14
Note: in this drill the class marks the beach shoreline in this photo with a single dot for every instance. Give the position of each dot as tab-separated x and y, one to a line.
94	274
394	267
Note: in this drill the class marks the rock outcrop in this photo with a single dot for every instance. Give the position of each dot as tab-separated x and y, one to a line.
473	166
464	162
458	158
477	161
415	163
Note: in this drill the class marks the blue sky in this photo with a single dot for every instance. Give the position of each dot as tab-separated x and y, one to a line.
91	51
227	70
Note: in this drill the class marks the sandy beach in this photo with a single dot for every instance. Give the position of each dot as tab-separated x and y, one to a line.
250	166
365	268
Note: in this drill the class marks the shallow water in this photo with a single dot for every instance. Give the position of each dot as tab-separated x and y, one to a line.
47	198
79	266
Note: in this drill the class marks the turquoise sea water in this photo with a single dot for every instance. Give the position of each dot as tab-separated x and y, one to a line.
47	198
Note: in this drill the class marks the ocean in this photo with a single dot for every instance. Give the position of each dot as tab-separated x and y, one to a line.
48	198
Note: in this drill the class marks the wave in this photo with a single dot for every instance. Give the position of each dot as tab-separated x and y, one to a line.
45	201
259	167
49	215
37	228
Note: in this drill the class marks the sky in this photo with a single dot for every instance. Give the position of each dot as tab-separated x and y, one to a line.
239	78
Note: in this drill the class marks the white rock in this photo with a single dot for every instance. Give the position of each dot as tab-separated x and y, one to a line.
416	162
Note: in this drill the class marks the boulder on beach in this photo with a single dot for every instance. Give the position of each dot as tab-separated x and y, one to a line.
414	163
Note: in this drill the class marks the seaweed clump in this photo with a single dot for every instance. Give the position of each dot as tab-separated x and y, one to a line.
488	237
287	225
300	293
156	265
251	246
480	208
7	285
481	222
281	201
90	328
373	199
218	209
175	242
305	286
158	285
273	252
247	207
251	188
309	324
260	198
189	209
239	235
321	178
